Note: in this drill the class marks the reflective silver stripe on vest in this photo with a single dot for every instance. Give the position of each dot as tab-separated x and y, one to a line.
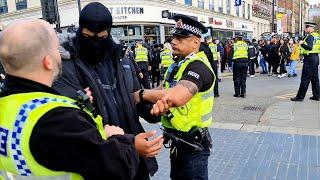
207	95
206	117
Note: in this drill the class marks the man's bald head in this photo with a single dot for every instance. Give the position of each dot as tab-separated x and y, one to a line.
23	45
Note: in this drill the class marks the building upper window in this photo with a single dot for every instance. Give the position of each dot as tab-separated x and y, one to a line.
188	2
220	6
211	5
244	10
201	4
238	11
3	6
229	7
21	4
249	11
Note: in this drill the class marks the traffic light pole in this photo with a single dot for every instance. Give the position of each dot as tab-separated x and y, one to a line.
58	27
79	6
272	25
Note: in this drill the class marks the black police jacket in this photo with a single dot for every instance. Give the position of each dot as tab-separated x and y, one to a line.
78	75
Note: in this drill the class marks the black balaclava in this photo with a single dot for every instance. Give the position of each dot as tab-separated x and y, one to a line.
96	18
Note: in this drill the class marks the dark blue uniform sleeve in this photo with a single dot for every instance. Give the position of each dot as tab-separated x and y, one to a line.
309	44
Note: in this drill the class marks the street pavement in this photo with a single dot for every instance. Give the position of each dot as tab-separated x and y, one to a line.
264	136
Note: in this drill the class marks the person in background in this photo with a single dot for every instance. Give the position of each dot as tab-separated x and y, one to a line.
142	58
166	58
251	57
155	65
284	54
263	57
294	58
220	49
269	56
256	45
240	66
228	53
215	61
310	48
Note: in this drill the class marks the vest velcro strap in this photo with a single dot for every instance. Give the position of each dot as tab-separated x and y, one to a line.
207	95
207	116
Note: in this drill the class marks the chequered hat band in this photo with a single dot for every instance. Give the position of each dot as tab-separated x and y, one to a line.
192	29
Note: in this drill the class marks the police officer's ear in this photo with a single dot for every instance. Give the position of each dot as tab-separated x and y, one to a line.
196	41
48	63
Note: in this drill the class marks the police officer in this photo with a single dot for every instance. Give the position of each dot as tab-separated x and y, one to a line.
141	58
214	49
240	66
47	135
189	85
166	58
310	50
155	65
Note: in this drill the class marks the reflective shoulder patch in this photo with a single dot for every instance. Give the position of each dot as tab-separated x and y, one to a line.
193	74
3	141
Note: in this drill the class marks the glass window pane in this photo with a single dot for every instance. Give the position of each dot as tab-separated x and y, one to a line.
188	2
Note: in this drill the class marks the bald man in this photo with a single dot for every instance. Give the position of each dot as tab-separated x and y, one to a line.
44	133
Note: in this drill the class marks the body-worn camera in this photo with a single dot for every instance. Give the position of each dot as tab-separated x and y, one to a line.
83	101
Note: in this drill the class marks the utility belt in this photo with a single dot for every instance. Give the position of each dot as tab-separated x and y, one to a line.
195	139
310	55
241	60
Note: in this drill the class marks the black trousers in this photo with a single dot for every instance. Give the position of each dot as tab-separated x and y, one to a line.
283	62
309	73
251	66
156	77
240	77
215	70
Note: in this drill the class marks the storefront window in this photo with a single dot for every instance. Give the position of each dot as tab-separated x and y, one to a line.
3	6
168	32
128	34
152	34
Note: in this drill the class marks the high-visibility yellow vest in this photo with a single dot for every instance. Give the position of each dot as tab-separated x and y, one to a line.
19	114
166	58
214	49
316	44
198	111
141	54
240	50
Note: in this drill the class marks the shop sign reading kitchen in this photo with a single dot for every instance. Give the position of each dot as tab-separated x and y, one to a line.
122	13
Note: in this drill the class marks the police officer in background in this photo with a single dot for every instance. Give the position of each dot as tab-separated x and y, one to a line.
166	58
240	66
214	49
46	135
189	85
155	65
142	59
310	47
